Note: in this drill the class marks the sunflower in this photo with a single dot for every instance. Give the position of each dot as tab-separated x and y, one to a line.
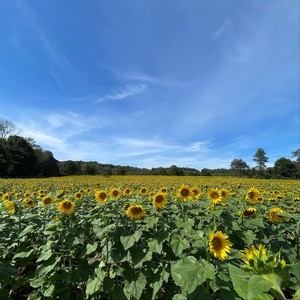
78	195
163	190
253	253
214	196
10	206
101	196
135	212
252	196
249	212
47	200
66	206
114	193
127	192
143	190
6	196
185	193
276	215
219	245
160	200
196	193
28	202
225	194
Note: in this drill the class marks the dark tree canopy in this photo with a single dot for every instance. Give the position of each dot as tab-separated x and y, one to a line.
261	159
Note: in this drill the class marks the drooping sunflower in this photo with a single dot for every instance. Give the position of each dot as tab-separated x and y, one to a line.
252	195
214	196
253	253
66	206
225	194
219	245
249	212
101	196
10	206
159	200
196	193
276	215
6	196
135	212
185	193
114	193
28	202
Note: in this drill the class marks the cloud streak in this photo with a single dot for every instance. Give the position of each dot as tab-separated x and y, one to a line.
121	93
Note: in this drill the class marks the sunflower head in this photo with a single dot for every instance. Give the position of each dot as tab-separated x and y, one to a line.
252	196
249	212
114	193
66	206
185	193
47	200
28	202
10	206
214	196
196	193
135	212
101	196
159	200
219	245
78	195
276	215
143	190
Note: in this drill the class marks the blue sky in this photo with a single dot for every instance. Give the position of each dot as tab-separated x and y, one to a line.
153	83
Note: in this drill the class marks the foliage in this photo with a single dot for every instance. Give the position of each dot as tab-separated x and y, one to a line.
98	251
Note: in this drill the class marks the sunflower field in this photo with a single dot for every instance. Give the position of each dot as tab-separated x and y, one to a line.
149	237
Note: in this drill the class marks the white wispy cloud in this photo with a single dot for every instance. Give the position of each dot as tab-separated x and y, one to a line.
120	93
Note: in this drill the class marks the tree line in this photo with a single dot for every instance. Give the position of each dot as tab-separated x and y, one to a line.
21	157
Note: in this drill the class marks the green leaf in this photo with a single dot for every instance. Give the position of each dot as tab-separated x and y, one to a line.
297	295
257	286
296	270
249	287
37	282
44	256
28	229
93	285
140	255
239	280
90	248
23	254
127	239
48	291
135	288
47	266
6	272
178	244
188	273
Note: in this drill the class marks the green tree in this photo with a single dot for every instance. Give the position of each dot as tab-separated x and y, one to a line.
21	158
284	167
261	159
239	167
296	154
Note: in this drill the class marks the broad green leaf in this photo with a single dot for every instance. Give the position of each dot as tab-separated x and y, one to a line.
127	239
6	272
28	229
257	286
23	254
154	245
37	282
47	266
135	288
178	244
239	280
249	287
90	248
48	291
140	255
297	295
93	285
44	256
188	273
